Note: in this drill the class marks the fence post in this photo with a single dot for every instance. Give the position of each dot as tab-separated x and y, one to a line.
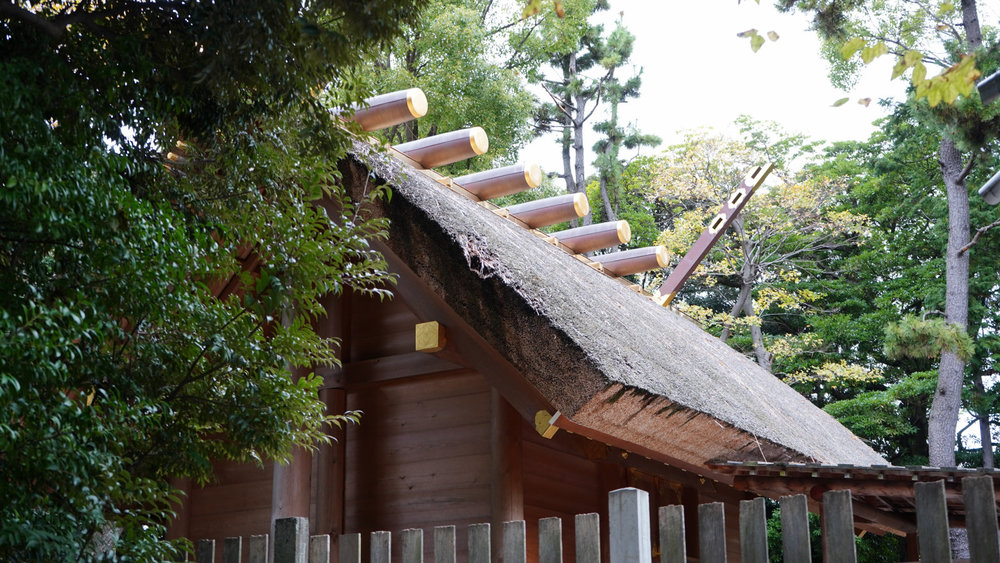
672	545
479	543
514	548
712	532
932	522
753	531
349	548
838	524
550	540
795	529
413	545
444	544
588	538
319	549
232	550
628	526
381	547
258	549
206	551
291	540
981	518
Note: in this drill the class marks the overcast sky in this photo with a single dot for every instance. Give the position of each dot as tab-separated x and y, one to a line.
698	73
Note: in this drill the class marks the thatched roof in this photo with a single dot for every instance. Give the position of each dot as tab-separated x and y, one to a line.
608	358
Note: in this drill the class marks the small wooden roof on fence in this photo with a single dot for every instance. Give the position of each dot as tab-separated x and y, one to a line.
616	366
882	494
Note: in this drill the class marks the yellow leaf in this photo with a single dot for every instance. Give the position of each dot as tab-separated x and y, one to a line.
851	47
865	101
919	74
840	102
911	57
756	42
869	54
934	96
560	9
898	70
773	36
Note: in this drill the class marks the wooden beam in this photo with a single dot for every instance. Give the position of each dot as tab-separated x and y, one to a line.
502	181
446	148
356	375
858	487
386	110
551	210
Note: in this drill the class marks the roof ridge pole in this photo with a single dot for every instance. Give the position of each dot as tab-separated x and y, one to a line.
386	110
499	182
716	228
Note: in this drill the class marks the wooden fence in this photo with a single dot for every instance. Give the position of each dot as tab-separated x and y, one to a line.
629	533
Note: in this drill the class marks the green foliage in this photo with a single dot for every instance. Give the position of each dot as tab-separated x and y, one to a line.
118	368
915	337
868	547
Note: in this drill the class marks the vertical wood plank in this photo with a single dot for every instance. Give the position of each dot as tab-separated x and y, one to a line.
838	528
291	540
690	499
444	544
330	473
413	545
628	526
673	548
506	475
205	552
319	548
932	522
588	538
258	549
349	548
712	532
381	547
753	531
515	549
981	519
479	543
795	529
550	540
232	550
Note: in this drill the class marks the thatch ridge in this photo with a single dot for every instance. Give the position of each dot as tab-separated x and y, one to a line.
573	332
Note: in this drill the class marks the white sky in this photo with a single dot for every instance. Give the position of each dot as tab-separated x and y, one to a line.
698	73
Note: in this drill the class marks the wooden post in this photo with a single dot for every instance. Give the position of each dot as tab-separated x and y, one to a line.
932	522
232	550
446	148
589	238
712	532
588	538
444	544
795	529
981	518
413	545
381	547
628	526
550	210
672	546
515	549
319	549
479	543
753	531
506	481
349	548
635	261
390	109
690	499
205	552
501	181
291	540
258	549
550	540
838	528
331	457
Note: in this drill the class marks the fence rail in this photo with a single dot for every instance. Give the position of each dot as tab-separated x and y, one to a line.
629	533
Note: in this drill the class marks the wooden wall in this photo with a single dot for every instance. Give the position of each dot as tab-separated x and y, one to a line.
238	503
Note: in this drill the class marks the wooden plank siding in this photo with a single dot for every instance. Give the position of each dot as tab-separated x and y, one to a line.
237	503
420	457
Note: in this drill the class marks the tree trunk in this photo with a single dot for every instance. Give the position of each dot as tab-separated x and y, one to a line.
948	395
985	434
578	153
757	337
